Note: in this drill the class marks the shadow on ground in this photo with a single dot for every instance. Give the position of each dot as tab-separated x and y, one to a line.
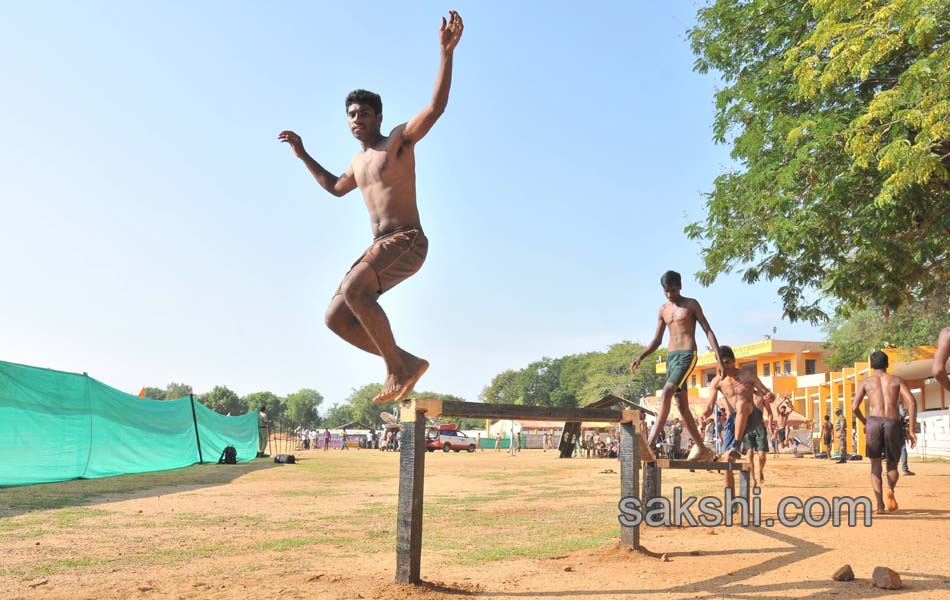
737	583
25	499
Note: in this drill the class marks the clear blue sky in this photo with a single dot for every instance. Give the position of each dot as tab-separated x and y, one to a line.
154	230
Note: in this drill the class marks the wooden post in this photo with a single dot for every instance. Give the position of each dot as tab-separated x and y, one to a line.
745	489
569	435
412	457
630	472
652	482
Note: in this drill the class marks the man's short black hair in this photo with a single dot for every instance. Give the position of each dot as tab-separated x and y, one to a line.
726	352
671	279
263	408
365	97
878	360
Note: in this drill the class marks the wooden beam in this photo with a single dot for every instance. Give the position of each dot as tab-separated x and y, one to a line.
652	482
412	456
629	479
569	436
411	407
666	463
481	410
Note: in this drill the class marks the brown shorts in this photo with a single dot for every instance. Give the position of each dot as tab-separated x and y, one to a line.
395	256
885	437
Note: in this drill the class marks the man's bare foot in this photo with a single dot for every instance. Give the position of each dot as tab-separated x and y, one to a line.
761	477
880	511
701	454
646	454
890	500
417	368
390	390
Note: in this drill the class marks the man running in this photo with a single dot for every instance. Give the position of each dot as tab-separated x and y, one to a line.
681	315
384	170
737	388
883	427
826	430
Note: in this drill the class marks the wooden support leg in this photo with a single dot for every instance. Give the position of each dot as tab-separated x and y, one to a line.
652	482
745	489
412	458
629	478
569	437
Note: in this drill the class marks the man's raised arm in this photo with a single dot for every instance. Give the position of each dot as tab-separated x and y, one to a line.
338	186
449	36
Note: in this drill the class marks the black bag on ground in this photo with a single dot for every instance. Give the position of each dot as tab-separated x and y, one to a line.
229	456
287	459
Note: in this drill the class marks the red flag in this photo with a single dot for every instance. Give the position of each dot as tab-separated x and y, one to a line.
142	393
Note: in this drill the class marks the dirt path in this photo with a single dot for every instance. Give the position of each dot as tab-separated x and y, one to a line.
496	526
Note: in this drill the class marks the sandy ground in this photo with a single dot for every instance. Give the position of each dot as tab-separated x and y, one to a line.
496	526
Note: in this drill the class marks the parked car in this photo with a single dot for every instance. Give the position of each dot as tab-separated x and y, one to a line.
449	439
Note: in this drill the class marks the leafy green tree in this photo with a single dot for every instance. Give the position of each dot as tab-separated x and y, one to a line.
224	401
837	115
275	405
575	380
302	407
339	414
853	338
154	393
503	389
362	407
173	391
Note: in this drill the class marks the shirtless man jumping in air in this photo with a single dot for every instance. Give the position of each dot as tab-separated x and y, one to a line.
883	427
384	170
681	315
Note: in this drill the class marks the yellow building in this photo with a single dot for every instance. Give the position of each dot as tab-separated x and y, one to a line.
778	363
797	368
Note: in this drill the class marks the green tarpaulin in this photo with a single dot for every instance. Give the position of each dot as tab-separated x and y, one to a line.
56	426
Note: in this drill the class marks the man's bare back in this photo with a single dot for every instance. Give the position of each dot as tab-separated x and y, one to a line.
885	432
884	392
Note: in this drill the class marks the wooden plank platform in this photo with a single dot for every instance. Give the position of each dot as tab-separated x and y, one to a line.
668	463
412	462
481	410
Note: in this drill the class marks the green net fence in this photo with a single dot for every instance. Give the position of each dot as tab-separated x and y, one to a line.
56	426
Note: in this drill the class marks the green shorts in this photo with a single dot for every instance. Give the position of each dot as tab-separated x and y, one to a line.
679	364
756	439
